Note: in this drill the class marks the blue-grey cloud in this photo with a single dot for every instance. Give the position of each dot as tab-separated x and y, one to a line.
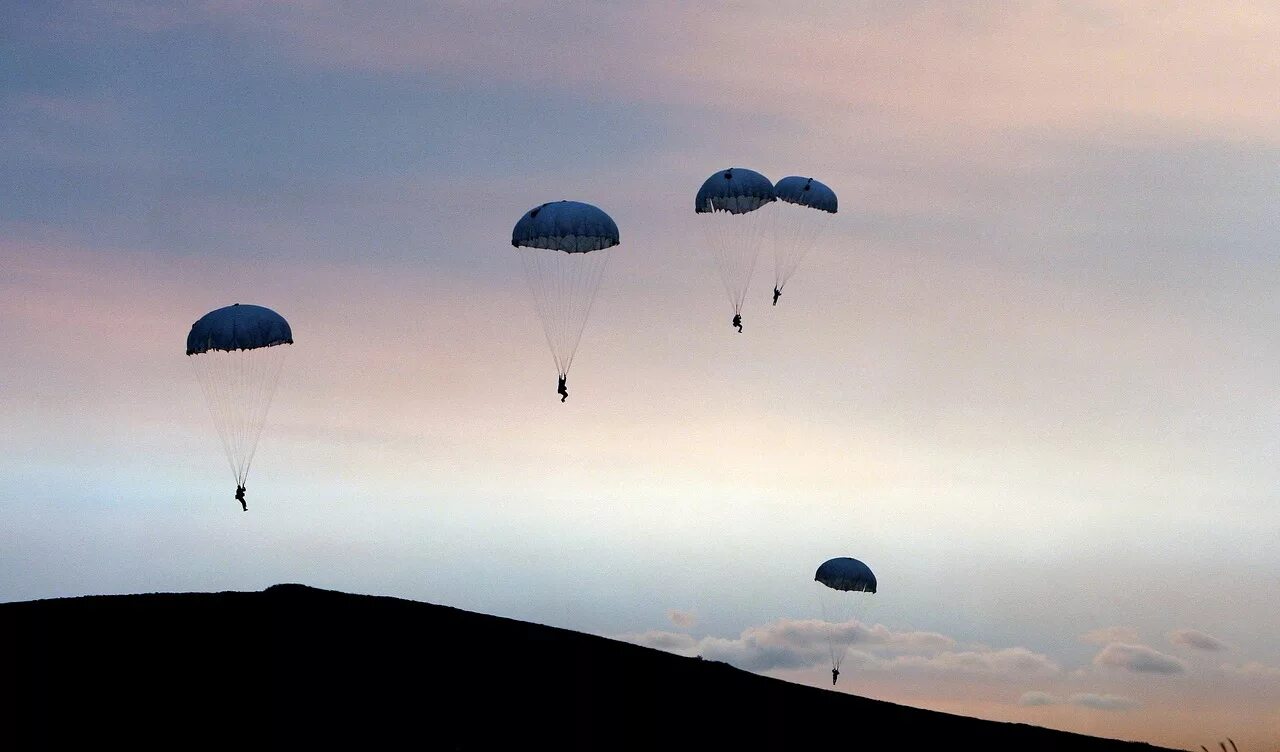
1195	639
1103	702
1037	699
1138	659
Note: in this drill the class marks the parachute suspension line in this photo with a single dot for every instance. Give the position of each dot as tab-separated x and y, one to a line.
564	287
798	230
239	388
831	638
592	271
735	241
265	396
212	398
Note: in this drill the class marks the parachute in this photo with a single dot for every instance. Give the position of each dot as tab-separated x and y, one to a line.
810	205
838	579
733	225
563	246
238	362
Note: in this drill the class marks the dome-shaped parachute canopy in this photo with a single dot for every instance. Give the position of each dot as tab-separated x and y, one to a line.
238	327
569	226
736	190
563	249
806	192
238	364
846	574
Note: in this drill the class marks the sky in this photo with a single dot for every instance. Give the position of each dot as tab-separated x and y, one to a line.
1027	375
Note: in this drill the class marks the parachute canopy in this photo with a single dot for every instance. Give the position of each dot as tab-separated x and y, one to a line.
238	364
846	574
563	247
238	327
806	192
736	190
569	226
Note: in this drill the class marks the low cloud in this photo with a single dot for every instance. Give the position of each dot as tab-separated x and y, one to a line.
682	619
1139	659
1195	639
1037	699
1103	702
1081	699
672	642
1107	635
1007	662
791	644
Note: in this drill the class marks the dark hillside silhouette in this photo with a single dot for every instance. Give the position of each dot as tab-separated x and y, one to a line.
294	666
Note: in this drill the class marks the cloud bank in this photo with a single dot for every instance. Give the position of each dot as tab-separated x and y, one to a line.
792	644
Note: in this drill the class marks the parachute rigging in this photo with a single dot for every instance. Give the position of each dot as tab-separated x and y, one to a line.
734	227
808	210
837	580
238	359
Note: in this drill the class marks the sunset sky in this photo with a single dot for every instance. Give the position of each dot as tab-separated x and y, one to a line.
1028	376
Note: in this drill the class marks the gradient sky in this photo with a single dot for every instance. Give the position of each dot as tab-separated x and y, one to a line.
1028	376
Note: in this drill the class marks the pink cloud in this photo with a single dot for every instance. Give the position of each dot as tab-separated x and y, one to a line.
682	619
